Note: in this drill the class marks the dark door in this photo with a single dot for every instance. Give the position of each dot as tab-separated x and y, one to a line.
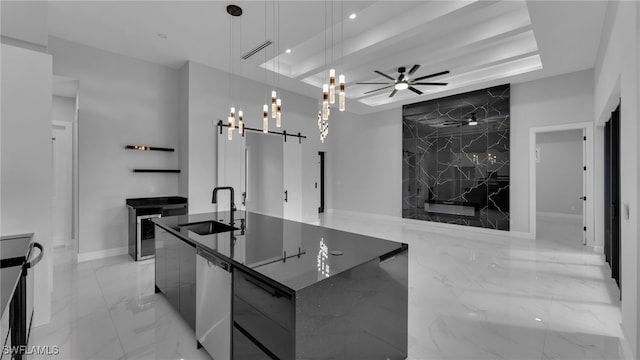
612	194
321	208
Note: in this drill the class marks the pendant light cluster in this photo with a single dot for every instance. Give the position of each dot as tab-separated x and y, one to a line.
276	102
234	11
329	89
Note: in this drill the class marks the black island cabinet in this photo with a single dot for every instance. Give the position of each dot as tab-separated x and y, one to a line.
297	291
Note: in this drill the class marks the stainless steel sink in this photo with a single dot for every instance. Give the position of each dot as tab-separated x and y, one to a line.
207	227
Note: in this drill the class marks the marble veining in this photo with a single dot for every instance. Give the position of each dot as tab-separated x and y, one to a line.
446	161
470	297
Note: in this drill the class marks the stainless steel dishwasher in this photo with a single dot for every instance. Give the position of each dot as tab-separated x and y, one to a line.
213	305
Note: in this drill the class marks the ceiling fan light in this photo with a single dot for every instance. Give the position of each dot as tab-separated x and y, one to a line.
401	86
472	120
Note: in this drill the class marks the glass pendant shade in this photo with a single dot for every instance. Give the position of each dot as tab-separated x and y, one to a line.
232	118
341	96
265	118
332	86
273	103
240	122
325	102
278	112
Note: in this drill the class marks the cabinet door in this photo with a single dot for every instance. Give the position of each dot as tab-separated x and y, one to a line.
265	313
161	259
173	270
188	283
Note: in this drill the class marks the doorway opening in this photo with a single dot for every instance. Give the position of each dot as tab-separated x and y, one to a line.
561	182
64	123
612	194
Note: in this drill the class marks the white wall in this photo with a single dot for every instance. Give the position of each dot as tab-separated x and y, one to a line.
210	100
617	77
559	172
123	101
25	186
24	23
556	100
366	151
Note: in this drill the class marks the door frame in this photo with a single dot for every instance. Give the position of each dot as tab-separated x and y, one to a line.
588	128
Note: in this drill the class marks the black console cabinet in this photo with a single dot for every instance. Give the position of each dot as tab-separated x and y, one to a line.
141	228
175	265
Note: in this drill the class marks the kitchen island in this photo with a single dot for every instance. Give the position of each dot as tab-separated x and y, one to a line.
295	291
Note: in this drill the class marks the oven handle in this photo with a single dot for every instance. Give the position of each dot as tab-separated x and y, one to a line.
35	261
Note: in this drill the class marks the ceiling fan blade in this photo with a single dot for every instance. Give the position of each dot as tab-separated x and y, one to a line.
393	93
368	92
413	69
432	75
428	83
383	74
415	90
372	83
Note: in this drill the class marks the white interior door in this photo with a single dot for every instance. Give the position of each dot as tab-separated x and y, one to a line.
292	179
231	169
264	174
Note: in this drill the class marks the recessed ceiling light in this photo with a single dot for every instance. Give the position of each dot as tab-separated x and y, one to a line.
288	51
162	36
352	16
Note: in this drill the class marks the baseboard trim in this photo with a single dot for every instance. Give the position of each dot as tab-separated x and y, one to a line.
625	348
434	226
101	254
560	215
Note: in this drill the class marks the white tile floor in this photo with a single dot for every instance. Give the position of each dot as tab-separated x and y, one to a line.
470	297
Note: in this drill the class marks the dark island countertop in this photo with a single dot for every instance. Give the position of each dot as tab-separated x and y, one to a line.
296	255
13	253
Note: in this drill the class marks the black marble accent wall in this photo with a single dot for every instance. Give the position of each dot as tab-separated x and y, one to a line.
455	172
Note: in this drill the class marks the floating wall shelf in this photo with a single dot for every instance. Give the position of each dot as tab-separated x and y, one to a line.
156	170
148	148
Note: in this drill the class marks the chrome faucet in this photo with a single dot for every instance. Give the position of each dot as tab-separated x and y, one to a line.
214	199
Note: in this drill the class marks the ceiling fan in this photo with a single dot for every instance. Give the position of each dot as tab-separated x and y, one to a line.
404	81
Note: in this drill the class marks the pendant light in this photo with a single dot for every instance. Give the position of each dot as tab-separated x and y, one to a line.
265	118
332	81
341	99
325	102
341	79
278	112
233	11
273	103
240	123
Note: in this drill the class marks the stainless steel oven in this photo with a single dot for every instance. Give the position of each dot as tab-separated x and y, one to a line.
145	239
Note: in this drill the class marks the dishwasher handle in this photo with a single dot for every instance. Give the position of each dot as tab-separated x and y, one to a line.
214	260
